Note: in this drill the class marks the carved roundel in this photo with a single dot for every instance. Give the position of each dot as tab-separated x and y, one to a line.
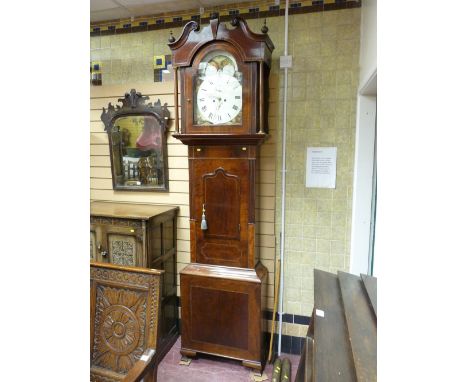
120	329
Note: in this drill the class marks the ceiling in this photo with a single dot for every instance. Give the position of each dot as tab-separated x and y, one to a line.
120	9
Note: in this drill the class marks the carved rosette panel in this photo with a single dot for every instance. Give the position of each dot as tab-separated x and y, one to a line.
119	338
122	249
133	279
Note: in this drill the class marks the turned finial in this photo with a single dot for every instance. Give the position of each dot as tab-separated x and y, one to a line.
171	37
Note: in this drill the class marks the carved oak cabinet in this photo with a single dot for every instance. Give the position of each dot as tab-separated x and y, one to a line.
141	235
223	74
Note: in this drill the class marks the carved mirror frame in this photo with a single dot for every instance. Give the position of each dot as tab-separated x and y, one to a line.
133	104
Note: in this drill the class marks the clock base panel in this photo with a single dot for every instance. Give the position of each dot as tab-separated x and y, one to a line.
224	316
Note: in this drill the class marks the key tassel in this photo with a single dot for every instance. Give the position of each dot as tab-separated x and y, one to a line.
204	225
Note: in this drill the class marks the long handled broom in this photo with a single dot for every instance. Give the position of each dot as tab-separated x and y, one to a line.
275	303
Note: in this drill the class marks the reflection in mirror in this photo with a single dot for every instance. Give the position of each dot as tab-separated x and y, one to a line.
137	143
137	151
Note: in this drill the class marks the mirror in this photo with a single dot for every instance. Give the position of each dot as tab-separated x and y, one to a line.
137	143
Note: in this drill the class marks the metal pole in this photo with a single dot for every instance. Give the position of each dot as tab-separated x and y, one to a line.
283	180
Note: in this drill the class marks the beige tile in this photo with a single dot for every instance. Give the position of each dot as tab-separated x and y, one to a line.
310	231
302	330
294	230
293	257
308	255
307	283
293	282
306	310
95	43
307	296
337	261
324	219
292	307
323	246
322	260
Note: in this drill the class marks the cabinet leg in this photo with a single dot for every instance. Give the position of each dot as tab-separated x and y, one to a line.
253	365
188	353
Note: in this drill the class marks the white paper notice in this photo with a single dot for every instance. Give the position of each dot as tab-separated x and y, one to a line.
321	167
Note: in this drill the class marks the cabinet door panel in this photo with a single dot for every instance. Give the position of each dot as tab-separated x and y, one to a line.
222	187
122	249
124	245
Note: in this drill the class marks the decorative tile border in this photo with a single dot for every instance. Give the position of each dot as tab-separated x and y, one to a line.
254	10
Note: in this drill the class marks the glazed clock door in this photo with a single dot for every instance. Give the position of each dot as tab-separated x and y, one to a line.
215	93
221	189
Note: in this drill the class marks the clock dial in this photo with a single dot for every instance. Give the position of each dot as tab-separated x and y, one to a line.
219	98
218	91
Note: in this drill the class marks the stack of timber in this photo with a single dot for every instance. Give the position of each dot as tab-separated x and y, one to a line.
341	342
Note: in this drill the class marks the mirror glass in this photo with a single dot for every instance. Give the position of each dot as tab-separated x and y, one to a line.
138	160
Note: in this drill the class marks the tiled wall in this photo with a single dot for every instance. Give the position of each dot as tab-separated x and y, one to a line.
321	112
128	58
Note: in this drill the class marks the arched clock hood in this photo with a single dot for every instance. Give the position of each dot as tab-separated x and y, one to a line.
253	46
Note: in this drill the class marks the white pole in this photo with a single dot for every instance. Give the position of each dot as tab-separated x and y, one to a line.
283	181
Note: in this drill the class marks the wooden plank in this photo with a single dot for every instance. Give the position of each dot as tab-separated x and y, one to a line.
95	118
177	199
265	215
179	150
362	328
99	103
100	161
266	189
177	162
183	221
177	174
268	241
267	150
267	253
266	228
268	163
178	186
101	184
100	172
119	90
267	202
100	150
370	284
267	176
332	357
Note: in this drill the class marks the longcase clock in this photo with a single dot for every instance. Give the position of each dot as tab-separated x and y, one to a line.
223	74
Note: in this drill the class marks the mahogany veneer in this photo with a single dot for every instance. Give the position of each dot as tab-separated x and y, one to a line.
222	312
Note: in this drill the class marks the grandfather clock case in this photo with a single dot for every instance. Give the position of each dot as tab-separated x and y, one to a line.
223	72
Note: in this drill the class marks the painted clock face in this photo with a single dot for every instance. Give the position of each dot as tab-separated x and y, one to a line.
218	91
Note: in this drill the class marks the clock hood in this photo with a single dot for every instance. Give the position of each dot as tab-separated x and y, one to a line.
252	46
